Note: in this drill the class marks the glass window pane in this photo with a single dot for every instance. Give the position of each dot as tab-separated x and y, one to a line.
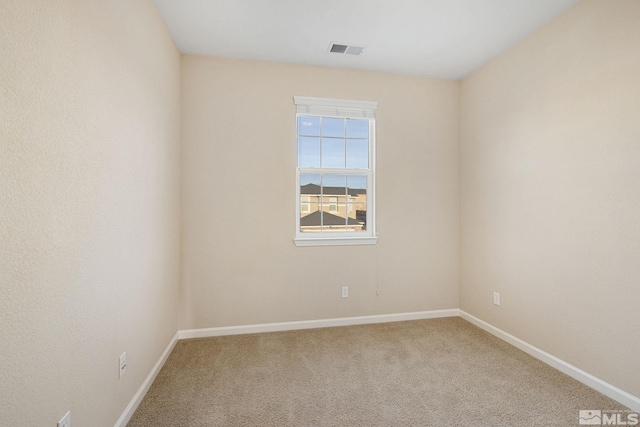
334	185
341	210
308	126
357	128
357	217
357	187
333	204
333	127
310	185
314	205
310	221
335	219
357	184
357	154
333	153
305	204
308	152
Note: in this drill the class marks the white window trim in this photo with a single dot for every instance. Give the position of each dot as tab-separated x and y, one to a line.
340	108
335	241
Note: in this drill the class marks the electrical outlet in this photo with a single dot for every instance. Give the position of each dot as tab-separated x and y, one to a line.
345	291
65	421
496	298
122	364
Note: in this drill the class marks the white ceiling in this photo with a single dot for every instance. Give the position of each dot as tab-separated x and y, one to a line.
446	39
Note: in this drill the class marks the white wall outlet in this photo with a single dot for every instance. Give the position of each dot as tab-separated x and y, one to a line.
65	421
496	298
122	364
345	291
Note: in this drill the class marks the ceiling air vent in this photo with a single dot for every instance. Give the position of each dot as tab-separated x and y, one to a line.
345	48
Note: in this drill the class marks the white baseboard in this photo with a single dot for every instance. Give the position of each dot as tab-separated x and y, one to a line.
312	324
595	383
144	388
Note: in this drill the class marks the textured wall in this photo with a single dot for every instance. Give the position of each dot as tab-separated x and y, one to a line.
89	205
240	265
550	184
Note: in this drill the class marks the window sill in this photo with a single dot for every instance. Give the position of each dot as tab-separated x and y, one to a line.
337	241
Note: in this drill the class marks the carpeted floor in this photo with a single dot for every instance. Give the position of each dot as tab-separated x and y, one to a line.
440	372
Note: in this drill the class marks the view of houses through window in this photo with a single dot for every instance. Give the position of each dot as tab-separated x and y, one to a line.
333	159
332	207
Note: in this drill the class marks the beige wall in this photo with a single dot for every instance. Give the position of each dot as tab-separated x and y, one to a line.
89	205
547	156
550	190
240	265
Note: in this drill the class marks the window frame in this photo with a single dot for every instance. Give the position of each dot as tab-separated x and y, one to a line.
343	109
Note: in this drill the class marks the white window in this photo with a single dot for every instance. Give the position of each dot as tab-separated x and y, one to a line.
335	174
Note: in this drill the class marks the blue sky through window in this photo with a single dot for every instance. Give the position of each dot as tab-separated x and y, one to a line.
333	143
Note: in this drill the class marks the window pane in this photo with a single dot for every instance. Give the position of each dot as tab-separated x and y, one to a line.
310	185
357	153
357	184
309	126
310	218
333	127
330	203
333	153
310	221
310	191
334	185
341	210
333	204
334	219
357	128
305	204
357	187
308	152
308	208
358	217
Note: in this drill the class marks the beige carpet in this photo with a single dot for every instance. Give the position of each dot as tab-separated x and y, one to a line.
440	372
